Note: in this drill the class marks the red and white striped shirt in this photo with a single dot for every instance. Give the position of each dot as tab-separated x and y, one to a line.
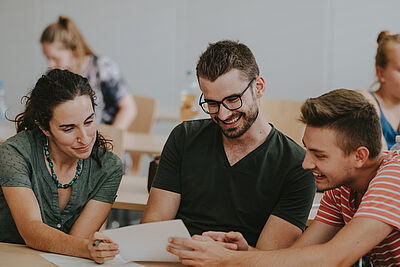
380	202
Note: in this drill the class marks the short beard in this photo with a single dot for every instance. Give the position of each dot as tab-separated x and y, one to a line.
248	119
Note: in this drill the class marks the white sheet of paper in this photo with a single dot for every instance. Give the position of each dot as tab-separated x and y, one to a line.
68	261
147	242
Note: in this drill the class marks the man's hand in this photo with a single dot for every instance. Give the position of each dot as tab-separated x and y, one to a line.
229	238
205	252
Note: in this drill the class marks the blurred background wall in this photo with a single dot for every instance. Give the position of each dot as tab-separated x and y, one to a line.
304	48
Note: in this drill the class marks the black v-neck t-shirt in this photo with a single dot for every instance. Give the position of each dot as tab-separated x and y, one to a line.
216	196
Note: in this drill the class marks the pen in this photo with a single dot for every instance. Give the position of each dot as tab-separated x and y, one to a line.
95	243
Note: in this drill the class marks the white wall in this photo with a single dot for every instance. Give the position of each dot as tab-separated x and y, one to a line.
304	48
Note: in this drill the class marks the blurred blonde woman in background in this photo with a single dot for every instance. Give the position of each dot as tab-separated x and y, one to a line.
65	48
387	98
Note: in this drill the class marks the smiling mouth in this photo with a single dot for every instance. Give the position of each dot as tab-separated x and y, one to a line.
231	120
83	147
318	175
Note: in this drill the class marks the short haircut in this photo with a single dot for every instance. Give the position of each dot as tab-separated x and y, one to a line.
349	113
223	56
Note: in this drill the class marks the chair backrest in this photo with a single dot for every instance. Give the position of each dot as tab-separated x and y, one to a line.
284	115
116	135
146	108
146	113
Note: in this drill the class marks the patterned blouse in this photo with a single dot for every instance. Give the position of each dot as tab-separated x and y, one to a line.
106	80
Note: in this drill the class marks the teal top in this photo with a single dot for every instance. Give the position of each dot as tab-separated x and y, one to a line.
22	164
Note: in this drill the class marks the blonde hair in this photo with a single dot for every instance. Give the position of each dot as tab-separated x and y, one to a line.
384	39
67	33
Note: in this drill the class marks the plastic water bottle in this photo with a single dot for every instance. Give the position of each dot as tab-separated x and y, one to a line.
396	146
189	95
3	107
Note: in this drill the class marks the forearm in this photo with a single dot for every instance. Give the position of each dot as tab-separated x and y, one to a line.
154	217
126	114
317	255
43	237
162	205
123	119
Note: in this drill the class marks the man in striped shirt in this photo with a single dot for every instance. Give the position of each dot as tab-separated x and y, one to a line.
360	210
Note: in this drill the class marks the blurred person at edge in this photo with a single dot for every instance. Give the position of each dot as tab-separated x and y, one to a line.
65	48
387	98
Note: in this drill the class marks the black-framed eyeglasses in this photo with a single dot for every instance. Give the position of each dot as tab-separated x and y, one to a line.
231	102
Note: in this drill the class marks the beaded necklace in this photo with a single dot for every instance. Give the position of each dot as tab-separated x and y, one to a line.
54	176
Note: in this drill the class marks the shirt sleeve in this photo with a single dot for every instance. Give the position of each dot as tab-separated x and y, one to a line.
168	171
382	199
112	83
107	188
297	197
329	211
14	168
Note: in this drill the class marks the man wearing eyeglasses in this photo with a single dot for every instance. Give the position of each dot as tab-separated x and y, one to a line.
234	171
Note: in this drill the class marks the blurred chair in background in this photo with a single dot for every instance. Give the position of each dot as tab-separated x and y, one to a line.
284	115
143	123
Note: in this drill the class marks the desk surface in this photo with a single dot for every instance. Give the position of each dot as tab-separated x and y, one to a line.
13	255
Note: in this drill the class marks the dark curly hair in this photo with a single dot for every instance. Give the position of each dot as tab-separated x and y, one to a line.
52	89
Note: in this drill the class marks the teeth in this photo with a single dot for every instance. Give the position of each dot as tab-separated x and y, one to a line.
318	174
232	121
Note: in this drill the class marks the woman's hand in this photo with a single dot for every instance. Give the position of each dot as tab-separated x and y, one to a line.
101	248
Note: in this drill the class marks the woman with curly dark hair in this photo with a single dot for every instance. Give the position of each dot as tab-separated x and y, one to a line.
58	178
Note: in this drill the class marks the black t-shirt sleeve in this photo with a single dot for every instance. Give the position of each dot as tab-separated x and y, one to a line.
296	197
168	171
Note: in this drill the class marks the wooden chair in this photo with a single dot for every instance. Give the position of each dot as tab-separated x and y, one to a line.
284	115
143	123
116	135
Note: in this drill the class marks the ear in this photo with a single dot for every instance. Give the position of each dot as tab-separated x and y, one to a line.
260	86
379	74
44	131
361	156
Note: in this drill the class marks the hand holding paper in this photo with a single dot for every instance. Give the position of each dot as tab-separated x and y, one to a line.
147	242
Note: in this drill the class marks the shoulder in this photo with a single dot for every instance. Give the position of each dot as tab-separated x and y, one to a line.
191	132
194	127
388	171
284	145
370	98
111	161
108	68
22	142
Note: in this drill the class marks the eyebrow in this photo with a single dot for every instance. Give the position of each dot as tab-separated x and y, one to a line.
316	150
211	100
312	149
70	125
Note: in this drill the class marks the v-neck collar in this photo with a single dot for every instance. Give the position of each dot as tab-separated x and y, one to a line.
49	179
224	157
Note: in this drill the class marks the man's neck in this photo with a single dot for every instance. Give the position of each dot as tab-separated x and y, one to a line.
366	174
255	135
238	148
